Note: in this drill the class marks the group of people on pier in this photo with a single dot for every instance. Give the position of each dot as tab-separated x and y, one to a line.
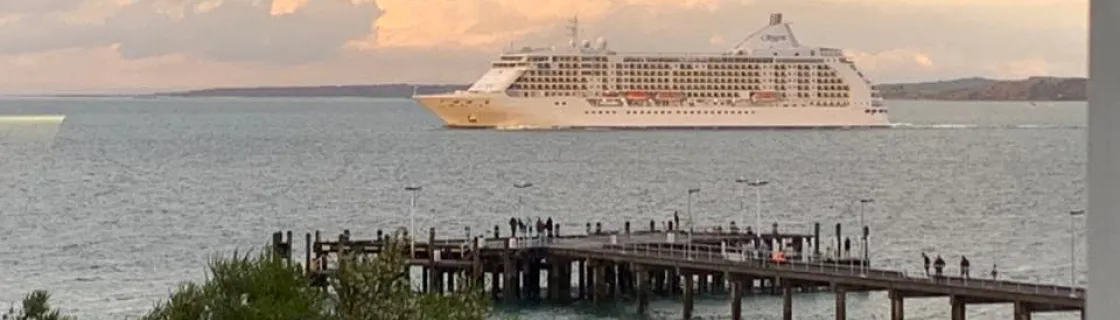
939	267
542	231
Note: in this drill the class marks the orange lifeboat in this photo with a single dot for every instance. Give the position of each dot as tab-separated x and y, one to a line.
610	94
764	96
669	96
637	95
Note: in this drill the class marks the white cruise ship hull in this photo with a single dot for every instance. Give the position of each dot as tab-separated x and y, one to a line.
504	112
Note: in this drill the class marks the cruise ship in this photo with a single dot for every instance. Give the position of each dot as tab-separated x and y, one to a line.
769	80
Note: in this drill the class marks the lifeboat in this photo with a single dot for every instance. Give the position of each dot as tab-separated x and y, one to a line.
610	94
637	95
764	96
669	96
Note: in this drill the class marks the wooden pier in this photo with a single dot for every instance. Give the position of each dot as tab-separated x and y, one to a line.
598	266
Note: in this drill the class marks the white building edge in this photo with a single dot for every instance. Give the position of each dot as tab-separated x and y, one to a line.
770	80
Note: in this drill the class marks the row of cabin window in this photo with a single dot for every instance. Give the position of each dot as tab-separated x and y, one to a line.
623	87
531	79
678	78
684	73
633	66
692	66
653	112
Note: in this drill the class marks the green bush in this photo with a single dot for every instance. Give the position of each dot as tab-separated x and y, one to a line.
36	306
268	287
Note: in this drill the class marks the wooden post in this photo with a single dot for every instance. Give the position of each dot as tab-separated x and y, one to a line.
841	305
896	305
748	284
435	276
553	285
450	281
736	299
277	243
321	263
787	299
958	310
564	280
816	239
288	247
509	275
495	279
476	264
643	288
702	283
1023	311
674	281
839	243
687	305
659	281
582	266
307	254
597	281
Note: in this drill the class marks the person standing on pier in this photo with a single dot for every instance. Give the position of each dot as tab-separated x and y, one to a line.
548	226
938	265
677	218
994	272
847	247
925	259
964	267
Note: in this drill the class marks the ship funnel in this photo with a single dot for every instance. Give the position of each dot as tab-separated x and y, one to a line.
775	19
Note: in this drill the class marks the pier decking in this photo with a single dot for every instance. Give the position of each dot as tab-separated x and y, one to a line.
633	265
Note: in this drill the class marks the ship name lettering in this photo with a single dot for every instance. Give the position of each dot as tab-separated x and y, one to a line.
773	38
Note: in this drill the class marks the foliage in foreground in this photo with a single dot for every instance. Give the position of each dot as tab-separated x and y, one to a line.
35	306
268	287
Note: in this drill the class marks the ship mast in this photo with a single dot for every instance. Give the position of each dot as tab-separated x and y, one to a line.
573	31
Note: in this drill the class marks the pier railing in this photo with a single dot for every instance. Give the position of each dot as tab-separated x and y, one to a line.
730	256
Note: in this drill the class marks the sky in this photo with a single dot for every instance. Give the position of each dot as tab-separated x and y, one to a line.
86	46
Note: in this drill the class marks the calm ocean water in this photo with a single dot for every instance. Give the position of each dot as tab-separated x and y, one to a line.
134	194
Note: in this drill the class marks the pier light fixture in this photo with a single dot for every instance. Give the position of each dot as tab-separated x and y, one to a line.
520	203
690	223
757	184
1072	252
863	239
414	191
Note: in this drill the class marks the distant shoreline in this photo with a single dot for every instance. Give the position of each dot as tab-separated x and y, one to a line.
965	89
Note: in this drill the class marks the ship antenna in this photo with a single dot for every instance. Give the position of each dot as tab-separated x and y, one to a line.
573	30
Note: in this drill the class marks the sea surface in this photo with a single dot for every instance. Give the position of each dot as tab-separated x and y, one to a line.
128	197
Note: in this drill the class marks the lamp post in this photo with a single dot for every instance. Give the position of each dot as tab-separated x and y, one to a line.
757	185
866	254
1072	250
690	225
521	204
414	190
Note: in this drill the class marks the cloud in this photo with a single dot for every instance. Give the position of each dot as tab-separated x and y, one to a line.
1022	68
895	59
229	31
250	42
102	69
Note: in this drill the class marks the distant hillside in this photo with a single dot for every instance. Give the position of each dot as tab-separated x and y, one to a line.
373	91
1032	89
